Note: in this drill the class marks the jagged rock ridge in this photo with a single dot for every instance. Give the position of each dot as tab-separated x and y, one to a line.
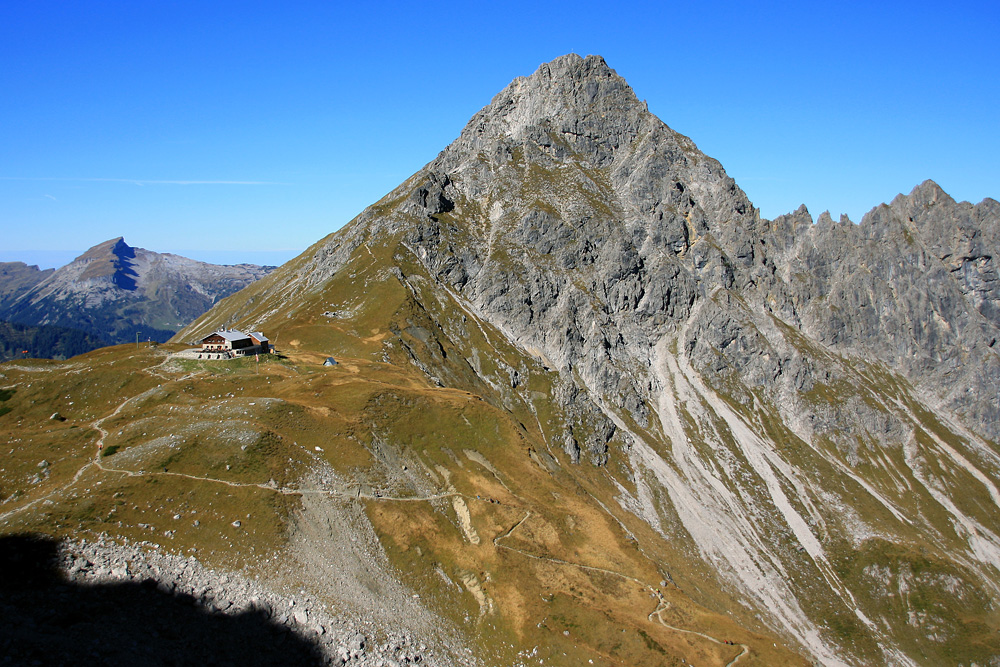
808	408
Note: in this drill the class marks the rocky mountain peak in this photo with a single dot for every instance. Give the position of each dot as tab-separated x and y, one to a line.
574	125
951	230
570	103
824	219
927	193
566	78
559	90
114	247
773	394
111	260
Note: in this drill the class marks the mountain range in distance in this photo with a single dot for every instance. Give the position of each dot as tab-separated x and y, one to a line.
590	408
113	293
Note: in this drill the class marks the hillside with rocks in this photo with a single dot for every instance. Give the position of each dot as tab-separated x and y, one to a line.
590	408
208	612
16	278
113	292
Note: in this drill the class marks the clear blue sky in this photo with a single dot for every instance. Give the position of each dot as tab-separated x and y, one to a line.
245	131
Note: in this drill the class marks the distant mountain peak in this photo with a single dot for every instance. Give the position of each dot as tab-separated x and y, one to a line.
113	289
116	246
112	260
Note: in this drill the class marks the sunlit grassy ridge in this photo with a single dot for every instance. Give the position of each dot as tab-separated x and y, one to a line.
410	325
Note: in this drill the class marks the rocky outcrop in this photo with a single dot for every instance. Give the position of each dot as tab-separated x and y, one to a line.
598	229
913	286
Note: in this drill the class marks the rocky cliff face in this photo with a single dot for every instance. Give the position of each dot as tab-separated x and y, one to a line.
809	409
114	290
913	285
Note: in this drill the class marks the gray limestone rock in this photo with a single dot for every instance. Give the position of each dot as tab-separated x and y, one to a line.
780	394
577	222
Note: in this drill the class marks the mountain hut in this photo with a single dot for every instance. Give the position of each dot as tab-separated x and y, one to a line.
235	343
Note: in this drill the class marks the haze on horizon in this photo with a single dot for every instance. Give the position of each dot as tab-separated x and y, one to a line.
241	132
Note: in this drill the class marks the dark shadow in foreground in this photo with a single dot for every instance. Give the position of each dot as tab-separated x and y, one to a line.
46	619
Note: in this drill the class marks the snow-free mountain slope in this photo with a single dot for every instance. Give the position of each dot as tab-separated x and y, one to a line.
808	410
114	291
18	277
589	408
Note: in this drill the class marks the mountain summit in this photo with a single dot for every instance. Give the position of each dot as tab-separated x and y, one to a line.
575	345
113	260
113	291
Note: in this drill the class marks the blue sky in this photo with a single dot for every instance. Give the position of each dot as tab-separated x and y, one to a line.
245	131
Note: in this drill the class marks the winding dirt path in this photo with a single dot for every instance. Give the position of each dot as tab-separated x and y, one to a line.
96	462
662	605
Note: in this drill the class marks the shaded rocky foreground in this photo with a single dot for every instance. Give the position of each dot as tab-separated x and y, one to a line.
104	603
